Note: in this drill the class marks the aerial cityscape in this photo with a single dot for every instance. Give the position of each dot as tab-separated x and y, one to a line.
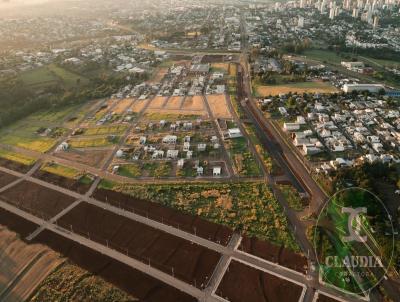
208	150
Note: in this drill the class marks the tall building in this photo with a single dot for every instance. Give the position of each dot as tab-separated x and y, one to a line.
300	22
376	22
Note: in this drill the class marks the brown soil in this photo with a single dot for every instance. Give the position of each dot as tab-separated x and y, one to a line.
274	253
212	58
134	282
67	183
93	158
22	266
186	222
12	165
245	283
322	298
6	179
187	261
16	223
219	106
37	200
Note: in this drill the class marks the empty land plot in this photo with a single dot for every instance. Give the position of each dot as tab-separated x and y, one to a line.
159	74
122	106
94	142
158	102
222	67
306	87
28	138
16	224
16	157
106	130
174	102
242	282
193	103
139	105
6	179
93	158
81	185
323	298
134	282
186	222
76	283
274	253
37	200
189	262
22	266
219	106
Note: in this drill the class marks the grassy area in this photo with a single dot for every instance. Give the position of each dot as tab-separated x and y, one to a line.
267	159
28	141
61	170
292	196
19	158
115	129
131	170
158	170
93	142
243	159
72	283
250	207
51	75
303	87
54	115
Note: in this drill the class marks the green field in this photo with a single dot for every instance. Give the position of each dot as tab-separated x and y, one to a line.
50	75
243	159
131	170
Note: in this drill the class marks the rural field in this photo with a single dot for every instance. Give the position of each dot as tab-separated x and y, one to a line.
190	223
139	285
29	263
187	261
306	87
245	283
37	200
6	179
93	158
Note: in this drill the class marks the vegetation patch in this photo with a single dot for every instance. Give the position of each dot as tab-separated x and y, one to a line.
247	207
16	157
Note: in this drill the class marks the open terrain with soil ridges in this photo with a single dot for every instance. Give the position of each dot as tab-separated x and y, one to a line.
189	223
64	182
134	282
245	283
13	165
6	179
274	253
37	200
186	261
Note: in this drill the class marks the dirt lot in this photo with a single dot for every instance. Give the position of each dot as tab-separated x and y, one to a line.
323	298
193	103
212	58
274	253
63	182
307	87
93	158
245	283
37	200
6	179
158	212
138	105
137	284
22	266
16	223
219	106
174	102
12	165
158	102
122	106
159	75
189	262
